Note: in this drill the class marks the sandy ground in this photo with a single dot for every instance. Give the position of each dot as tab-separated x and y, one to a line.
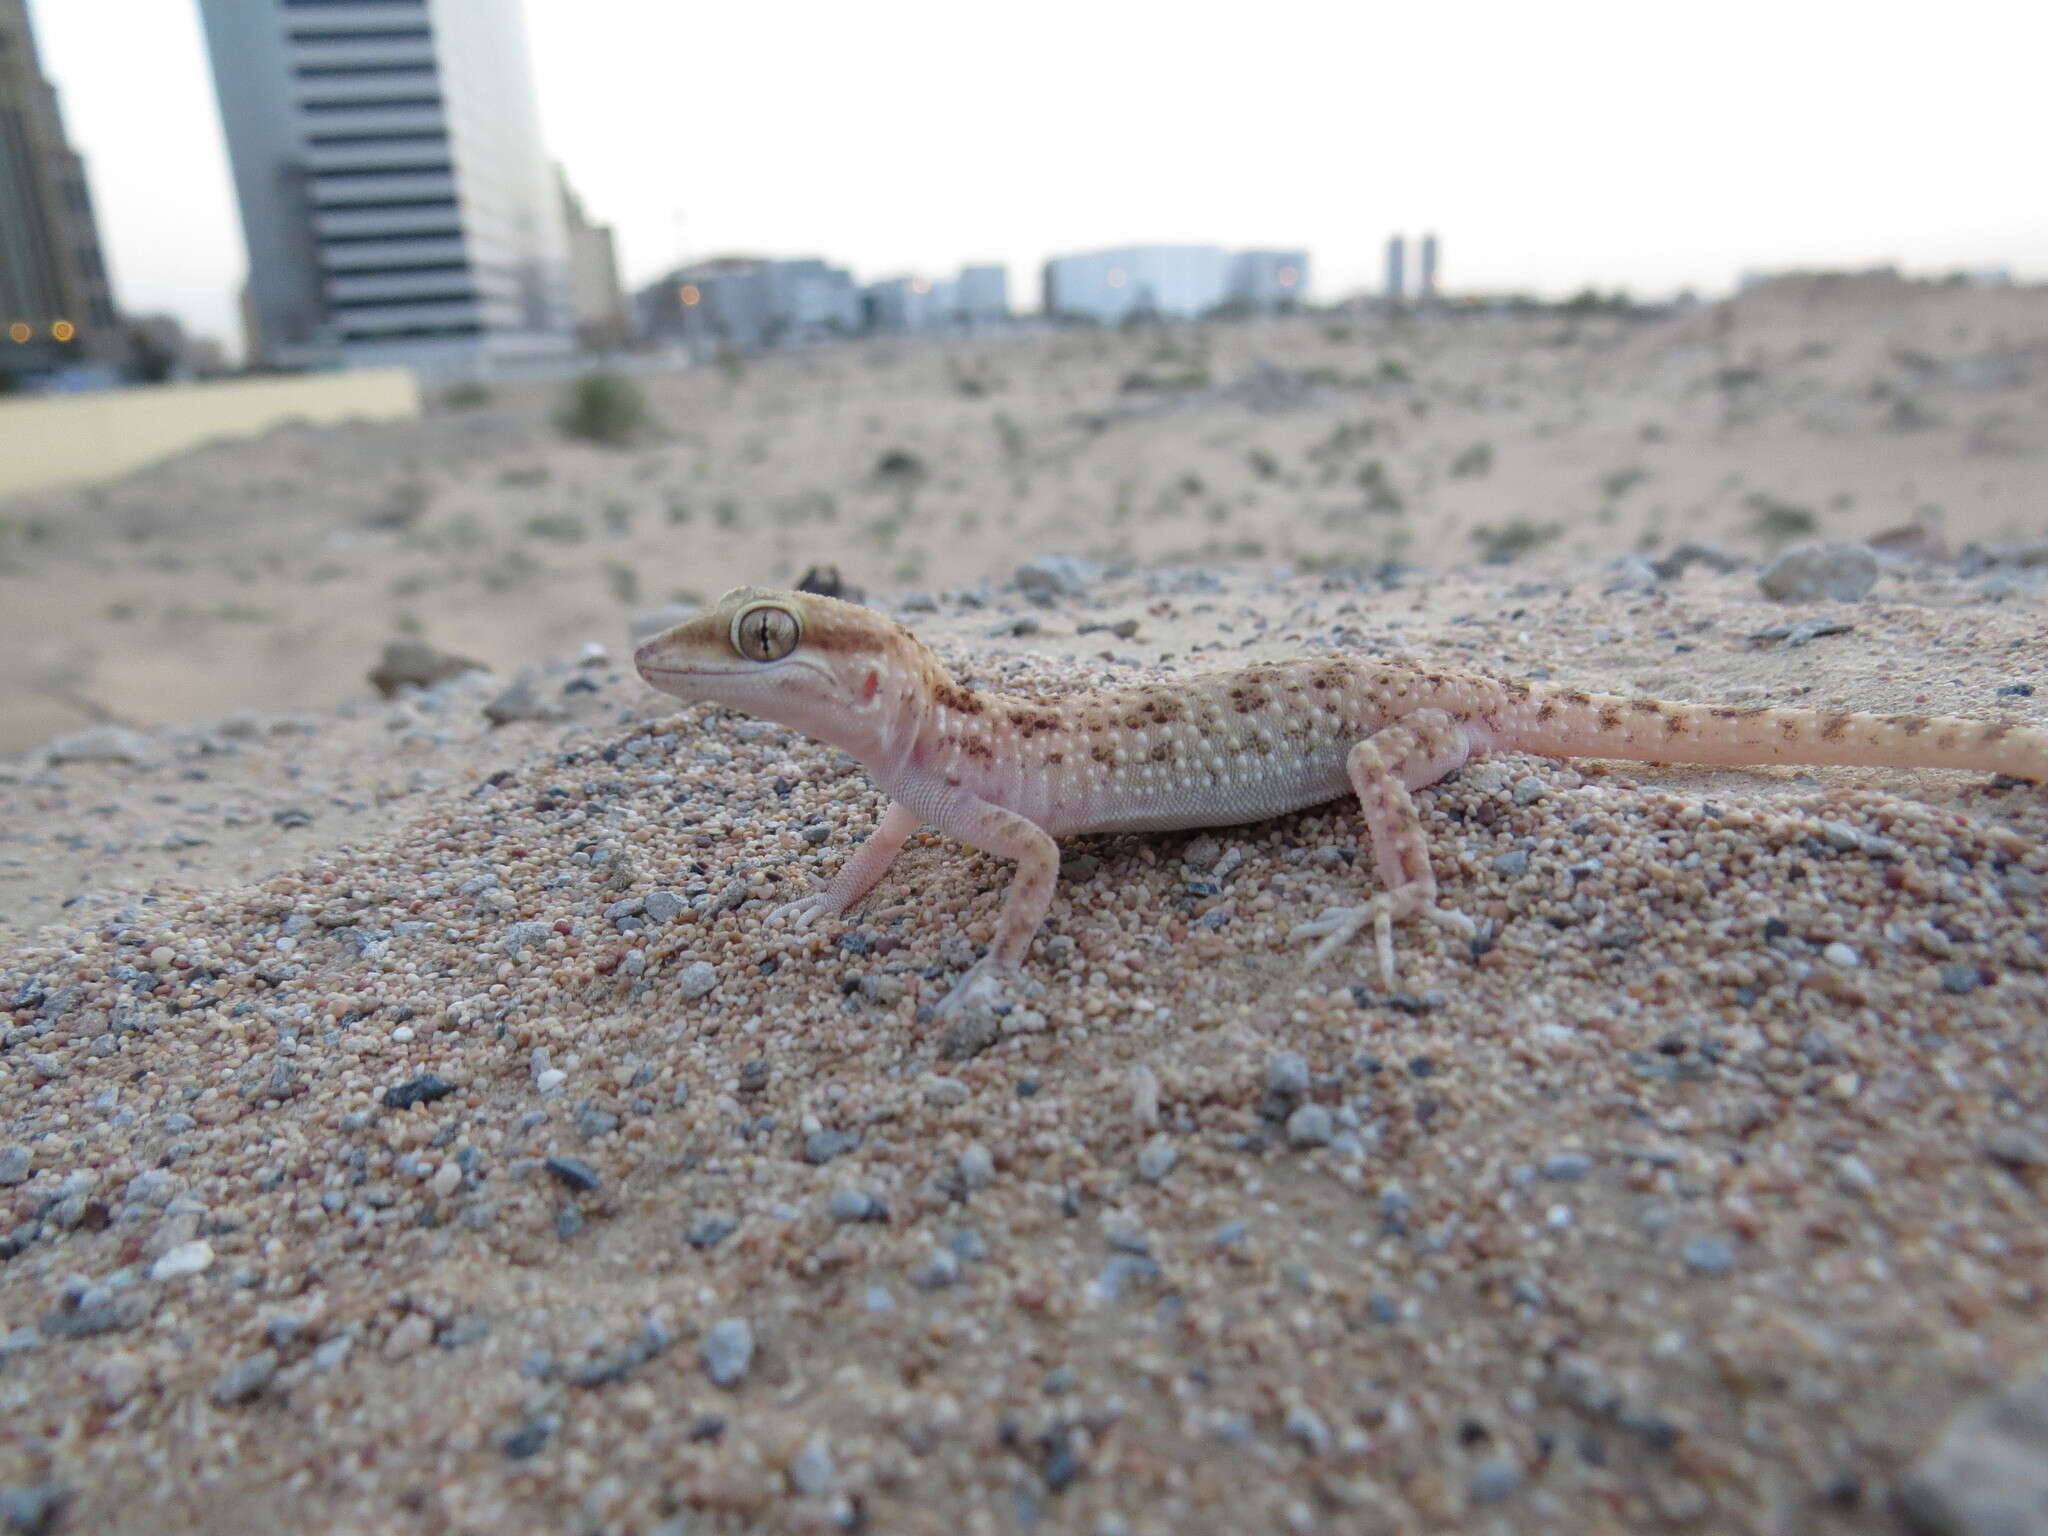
410	1124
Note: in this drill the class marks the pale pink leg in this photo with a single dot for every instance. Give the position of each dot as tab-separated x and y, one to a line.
1009	836
857	876
1416	750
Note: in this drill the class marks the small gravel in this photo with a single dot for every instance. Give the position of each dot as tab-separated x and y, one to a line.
1156	1159
1709	1256
1310	1126
728	1351
1287	1073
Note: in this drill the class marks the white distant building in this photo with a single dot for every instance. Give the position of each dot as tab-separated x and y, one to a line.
983	295
749	303
395	197
1172	282
1167	281
978	296
1268	282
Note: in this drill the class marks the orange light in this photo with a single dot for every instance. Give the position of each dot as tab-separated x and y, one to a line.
690	295
19	333
63	330
1116	277
1289	277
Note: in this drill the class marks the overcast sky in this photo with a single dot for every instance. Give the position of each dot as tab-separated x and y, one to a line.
1646	146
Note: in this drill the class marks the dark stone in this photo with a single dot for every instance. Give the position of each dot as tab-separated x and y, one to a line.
424	1089
574	1173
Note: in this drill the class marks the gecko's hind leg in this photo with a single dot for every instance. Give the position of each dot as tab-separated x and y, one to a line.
1418	749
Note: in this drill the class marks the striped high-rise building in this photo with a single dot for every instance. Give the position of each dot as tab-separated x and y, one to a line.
56	309
395	196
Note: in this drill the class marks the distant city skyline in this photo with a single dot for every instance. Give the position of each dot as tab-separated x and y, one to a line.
1550	149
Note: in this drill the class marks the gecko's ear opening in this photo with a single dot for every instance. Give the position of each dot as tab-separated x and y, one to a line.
766	631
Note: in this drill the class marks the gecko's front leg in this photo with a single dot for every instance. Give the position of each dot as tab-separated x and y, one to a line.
1418	749
989	827
870	861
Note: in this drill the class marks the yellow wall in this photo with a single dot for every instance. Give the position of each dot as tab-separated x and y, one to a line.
64	439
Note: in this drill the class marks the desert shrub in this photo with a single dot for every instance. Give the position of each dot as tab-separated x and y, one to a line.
604	408
1501	543
1476	460
1777	521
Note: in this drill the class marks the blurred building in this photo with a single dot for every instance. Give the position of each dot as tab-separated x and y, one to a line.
982	296
1268	282
1426	278
599	305
1173	282
749	303
56	306
395	198
978	296
1139	281
1397	269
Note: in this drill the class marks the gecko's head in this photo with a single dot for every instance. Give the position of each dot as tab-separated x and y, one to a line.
828	668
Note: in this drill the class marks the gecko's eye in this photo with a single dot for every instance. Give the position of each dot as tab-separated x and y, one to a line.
766	632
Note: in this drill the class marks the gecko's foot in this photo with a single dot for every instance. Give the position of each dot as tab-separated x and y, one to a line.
986	988
802	912
1340	925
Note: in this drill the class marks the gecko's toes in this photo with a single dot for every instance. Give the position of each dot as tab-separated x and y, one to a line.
1340	925
987	987
800	913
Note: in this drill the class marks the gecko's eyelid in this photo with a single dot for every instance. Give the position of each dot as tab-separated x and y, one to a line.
766	631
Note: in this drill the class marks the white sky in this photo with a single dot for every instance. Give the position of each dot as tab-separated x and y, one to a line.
1639	143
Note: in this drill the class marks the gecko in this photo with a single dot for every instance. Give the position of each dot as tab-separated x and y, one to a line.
1011	774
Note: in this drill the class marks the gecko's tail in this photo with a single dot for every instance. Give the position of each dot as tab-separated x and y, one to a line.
1563	722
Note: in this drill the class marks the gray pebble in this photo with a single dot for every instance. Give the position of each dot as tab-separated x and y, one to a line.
1305	1427
811	1471
1709	1256
697	978
574	1173
2016	1147
1494	1480
977	1166
1567	1167
1528	791
1287	1073
244	1379
1961	979
33	1509
937	1272
728	1351
710	1229
1310	1126
663	906
856	1205
823	1146
1156	1159
14	1165
1512	864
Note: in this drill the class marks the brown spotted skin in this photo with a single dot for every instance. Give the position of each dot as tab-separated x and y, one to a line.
1009	774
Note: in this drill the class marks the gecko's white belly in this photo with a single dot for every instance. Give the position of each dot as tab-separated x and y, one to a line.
1255	793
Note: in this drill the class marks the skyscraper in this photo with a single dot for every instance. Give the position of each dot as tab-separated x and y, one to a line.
1425	288
55	304
1397	263
395	198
